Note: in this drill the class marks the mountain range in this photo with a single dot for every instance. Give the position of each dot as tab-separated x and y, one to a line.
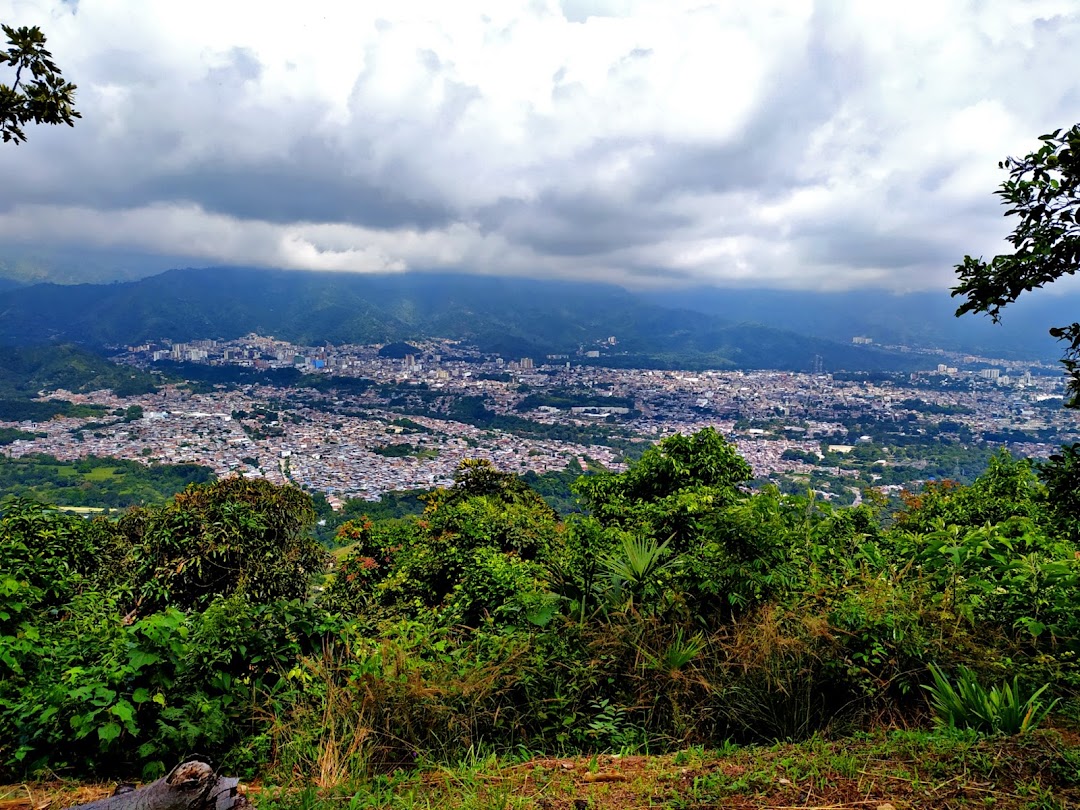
924	319
510	316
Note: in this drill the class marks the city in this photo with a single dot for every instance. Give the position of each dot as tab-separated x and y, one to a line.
403	429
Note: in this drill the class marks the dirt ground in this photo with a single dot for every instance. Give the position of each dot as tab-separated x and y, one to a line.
883	771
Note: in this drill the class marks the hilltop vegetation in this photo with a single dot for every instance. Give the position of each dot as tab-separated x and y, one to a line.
681	610
29	371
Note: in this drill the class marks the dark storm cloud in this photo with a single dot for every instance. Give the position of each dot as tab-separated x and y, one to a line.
787	143
311	183
765	157
578	225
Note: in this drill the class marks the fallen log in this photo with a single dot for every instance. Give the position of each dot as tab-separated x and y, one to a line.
189	786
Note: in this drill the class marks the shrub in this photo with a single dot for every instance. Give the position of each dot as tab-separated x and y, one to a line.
1007	709
777	683
236	536
99	694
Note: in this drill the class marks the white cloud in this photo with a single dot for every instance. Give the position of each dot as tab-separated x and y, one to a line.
788	143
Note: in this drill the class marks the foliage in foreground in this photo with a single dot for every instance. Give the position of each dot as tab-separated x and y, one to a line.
1008	709
38	93
1043	193
681	610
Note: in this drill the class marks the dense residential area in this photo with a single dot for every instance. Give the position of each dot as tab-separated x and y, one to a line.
406	428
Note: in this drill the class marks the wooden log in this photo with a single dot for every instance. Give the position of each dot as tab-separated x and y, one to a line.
189	786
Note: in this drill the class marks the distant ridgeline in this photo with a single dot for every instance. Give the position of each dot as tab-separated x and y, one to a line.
507	316
924	319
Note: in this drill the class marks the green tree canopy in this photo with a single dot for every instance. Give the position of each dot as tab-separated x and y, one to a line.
52	555
235	536
1043	192
477	551
39	94
672	482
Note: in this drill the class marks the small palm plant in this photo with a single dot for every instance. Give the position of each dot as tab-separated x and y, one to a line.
638	565
682	651
1007	709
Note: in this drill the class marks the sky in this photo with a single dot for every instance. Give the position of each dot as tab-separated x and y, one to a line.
775	143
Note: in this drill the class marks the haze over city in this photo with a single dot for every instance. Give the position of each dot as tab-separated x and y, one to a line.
825	145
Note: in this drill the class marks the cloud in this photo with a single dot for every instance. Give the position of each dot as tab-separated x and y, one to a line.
787	143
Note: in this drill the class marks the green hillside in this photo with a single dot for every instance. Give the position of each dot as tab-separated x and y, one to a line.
27	371
96	482
512	317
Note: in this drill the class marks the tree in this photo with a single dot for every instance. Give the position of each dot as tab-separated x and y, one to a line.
1061	475
672	482
236	536
478	551
1043	190
47	556
43	97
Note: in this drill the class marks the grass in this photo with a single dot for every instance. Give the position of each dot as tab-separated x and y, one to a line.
97	474
945	768
101	474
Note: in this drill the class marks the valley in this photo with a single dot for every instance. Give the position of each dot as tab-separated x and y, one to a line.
350	422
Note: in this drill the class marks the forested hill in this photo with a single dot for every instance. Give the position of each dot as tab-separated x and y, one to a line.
514	317
27	371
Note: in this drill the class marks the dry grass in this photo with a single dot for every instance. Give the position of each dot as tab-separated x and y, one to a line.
51	795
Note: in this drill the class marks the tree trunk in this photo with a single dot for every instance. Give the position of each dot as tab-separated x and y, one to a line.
189	786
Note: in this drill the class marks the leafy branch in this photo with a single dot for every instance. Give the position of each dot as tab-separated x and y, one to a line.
46	99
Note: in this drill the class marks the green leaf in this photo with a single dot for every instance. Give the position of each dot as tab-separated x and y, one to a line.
141	658
123	710
108	732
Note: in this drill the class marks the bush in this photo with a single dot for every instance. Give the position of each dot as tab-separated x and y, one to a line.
104	695
1006	709
685	611
237	536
